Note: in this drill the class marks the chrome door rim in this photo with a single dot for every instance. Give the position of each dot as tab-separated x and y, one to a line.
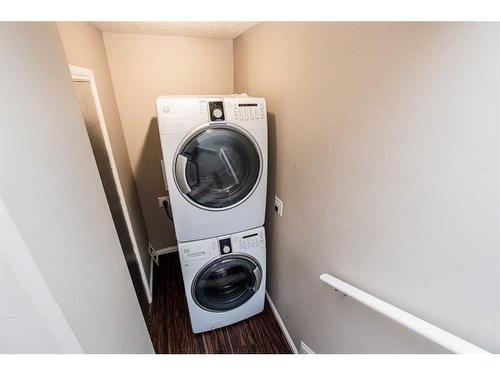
200	129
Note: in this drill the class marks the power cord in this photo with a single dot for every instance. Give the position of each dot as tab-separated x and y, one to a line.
168	210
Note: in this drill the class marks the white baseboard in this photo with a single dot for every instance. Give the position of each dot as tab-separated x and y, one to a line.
304	349
281	324
166	250
151	269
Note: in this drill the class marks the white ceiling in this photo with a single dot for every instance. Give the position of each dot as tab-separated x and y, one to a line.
224	30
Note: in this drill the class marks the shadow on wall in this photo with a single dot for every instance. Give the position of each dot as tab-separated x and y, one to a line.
241	62
271	185
149	178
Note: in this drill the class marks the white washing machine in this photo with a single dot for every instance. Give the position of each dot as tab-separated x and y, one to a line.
215	163
224	278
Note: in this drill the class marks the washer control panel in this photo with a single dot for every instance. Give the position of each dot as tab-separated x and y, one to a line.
191	253
251	241
225	246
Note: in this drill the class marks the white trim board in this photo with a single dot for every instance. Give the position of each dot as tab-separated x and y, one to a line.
151	271
304	349
86	75
281	324
163	251
166	250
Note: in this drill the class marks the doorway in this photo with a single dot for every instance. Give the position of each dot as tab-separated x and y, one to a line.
88	99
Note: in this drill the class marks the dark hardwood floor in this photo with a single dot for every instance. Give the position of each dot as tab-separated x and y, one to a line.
170	328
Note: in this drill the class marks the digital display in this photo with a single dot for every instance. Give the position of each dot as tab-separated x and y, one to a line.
247	105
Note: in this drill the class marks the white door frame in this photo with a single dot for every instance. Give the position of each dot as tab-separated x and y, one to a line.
80	74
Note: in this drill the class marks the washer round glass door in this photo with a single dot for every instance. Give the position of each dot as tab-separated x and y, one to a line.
218	167
227	282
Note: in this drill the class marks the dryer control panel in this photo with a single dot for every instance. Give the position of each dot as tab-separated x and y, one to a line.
246	110
216	111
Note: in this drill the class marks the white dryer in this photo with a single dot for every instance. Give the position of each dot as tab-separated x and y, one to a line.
224	278
215	163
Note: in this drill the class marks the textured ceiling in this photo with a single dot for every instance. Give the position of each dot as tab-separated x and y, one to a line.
227	30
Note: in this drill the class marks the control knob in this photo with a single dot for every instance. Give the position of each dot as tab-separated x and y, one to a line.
217	113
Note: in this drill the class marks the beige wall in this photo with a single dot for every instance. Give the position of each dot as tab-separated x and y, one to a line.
384	148
84	46
52	191
144	67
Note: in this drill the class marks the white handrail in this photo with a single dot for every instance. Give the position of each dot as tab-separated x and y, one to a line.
445	339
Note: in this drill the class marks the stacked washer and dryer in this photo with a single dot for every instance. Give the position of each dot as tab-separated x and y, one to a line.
215	164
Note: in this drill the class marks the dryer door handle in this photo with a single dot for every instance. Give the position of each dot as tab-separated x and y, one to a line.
180	173
258	278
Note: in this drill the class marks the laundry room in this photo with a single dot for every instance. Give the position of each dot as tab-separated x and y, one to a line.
250	187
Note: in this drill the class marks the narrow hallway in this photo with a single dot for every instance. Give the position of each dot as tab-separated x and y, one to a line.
170	328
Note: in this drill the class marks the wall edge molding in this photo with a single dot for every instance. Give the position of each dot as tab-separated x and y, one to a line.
281	324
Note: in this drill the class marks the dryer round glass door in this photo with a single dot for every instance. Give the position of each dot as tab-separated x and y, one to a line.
218	167
227	282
